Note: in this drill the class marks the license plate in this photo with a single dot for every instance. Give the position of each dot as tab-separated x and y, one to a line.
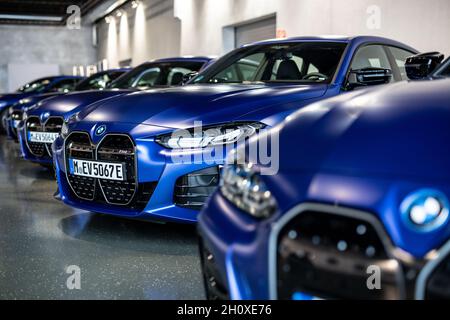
43	137
95	169
16	123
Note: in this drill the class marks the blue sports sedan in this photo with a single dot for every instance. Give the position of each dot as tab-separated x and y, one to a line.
97	81
42	123
358	208
157	154
37	87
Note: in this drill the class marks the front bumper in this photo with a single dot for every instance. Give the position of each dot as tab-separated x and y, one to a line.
256	259
155	171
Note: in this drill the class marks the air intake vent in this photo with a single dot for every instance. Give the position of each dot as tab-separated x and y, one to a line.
327	255
193	190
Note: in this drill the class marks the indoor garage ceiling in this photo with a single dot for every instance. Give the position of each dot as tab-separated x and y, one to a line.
42	12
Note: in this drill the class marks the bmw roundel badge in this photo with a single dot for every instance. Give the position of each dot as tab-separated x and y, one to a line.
100	130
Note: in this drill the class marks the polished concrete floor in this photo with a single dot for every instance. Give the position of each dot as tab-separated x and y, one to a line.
118	259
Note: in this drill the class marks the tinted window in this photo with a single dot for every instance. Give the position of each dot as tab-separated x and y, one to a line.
372	56
311	62
400	57
156	74
64	85
35	86
97	81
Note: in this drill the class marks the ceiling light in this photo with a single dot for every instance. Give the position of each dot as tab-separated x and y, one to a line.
29	17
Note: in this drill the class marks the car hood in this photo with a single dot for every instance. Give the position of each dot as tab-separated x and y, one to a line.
12	98
71	102
400	130
35	99
180	107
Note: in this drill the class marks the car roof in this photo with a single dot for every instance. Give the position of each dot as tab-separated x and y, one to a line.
185	58
336	38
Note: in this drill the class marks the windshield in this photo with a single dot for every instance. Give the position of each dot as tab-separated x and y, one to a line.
444	70
311	62
35	86
156	74
98	80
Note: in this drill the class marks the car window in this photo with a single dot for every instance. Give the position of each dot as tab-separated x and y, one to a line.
298	65
175	75
64	85
35	86
156	74
312	62
97	81
400	57
244	69
373	56
147	78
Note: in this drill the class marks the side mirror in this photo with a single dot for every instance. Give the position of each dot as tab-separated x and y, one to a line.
187	77
368	77
422	65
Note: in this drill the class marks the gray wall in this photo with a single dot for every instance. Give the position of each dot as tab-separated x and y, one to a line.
149	32
45	45
424	24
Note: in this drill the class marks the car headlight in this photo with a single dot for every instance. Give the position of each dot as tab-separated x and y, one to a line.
24	101
243	187
425	210
208	137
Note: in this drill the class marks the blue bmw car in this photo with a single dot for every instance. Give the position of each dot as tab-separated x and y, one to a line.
97	81
157	154
359	207
40	86
42	123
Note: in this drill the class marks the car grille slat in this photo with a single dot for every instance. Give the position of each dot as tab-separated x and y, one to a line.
328	255
79	146
113	148
33	124
53	124
118	148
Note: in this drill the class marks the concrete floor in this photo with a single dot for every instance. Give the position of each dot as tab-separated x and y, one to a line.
119	259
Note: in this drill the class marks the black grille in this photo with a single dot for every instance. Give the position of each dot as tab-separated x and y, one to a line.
53	125
438	284
327	255
193	190
113	148
33	124
215	286
78	146
119	149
